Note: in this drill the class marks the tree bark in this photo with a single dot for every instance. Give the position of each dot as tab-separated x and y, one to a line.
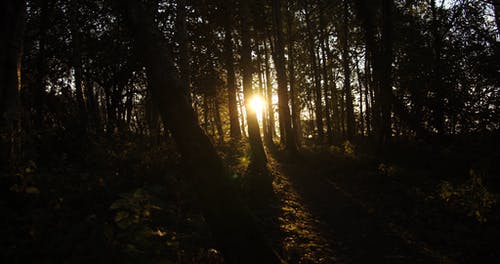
318	105
234	124
262	90
436	79
367	83
77	64
335	100
12	15
40	85
217	119
386	95
381	59
234	230
182	40
284	110
349	108
269	99
291	70
360	86
258	155
324	45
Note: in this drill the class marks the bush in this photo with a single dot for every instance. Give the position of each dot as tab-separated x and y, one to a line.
471	197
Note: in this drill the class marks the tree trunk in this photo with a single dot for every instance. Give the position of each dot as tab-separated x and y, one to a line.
40	83
360	86
77	60
318	105
349	108
367	83
381	60
324	45
262	90
235	130
436	79
242	115
335	100
218	120
291	70
234	230
182	40
284	110
258	155
12	15
269	98
386	72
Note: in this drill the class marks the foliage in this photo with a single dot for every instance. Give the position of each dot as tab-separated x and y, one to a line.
349	149
25	181
387	170
471	197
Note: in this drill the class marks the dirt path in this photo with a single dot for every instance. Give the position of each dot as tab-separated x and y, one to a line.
325	224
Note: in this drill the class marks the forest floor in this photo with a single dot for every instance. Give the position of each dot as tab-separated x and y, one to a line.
128	202
339	208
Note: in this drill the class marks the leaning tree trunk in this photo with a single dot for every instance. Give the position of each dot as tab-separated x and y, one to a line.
12	14
234	230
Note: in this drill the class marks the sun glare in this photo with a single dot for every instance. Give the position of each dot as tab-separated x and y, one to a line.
256	104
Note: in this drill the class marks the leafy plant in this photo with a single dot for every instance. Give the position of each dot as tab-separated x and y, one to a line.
133	212
349	149
25	181
471	197
387	170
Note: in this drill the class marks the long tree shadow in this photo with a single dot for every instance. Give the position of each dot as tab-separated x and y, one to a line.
352	230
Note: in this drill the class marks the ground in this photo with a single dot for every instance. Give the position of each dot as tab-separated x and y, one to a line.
339	208
129	202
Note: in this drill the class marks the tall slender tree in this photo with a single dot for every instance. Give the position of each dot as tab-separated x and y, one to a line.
12	16
283	103
318	102
346	61
294	98
234	124
258	154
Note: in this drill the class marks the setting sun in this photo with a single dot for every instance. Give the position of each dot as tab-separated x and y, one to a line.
256	103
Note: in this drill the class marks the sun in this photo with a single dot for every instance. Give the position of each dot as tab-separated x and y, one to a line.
256	103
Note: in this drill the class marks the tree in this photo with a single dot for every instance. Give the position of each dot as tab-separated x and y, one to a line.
344	39
380	54
12	13
318	104
233	227
182	39
235	130
284	111
294	91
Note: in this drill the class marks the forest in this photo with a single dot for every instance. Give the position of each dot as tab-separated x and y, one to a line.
249	131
